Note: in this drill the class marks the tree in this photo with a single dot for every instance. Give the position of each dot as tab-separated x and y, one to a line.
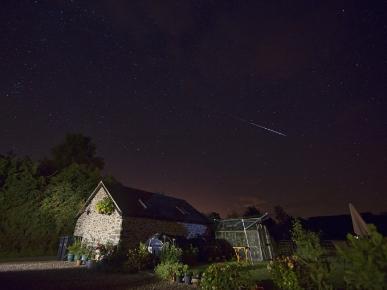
66	194
20	196
76	148
214	216
280	215
251	211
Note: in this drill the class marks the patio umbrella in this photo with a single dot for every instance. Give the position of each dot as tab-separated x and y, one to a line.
359	226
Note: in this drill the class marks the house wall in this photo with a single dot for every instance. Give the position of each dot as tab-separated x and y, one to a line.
96	227
194	230
136	230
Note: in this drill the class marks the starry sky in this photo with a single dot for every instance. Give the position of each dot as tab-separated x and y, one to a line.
162	88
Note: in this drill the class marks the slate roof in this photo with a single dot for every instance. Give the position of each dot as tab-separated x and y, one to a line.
133	202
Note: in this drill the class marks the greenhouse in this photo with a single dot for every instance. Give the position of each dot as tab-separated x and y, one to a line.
248	236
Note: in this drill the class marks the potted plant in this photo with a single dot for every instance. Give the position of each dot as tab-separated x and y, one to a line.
90	262
76	249
70	256
84	253
73	251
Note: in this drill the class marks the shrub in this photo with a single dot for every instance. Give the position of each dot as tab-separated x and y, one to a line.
110	257
225	276
105	206
170	253
138	259
285	272
167	270
365	260
315	269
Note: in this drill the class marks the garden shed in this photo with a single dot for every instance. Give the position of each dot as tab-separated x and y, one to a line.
249	237
131	216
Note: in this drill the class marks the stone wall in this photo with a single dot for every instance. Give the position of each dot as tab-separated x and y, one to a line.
96	227
136	230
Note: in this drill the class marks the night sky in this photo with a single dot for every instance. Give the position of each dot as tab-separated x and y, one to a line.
162	87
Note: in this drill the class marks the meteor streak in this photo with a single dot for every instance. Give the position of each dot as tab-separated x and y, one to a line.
259	126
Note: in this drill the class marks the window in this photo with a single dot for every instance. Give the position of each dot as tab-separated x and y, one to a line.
181	210
142	203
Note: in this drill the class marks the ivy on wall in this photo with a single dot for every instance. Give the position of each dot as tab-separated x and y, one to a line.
105	206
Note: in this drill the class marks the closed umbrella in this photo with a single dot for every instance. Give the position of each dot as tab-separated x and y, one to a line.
359	226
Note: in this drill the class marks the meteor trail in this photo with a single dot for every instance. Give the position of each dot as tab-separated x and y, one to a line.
220	113
259	126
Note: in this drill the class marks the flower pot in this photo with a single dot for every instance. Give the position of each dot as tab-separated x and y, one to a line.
78	262
84	259
90	264
70	257
76	257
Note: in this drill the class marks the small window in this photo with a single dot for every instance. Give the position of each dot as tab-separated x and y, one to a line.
181	210
142	203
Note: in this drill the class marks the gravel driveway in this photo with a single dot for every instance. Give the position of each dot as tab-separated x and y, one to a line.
29	266
58	275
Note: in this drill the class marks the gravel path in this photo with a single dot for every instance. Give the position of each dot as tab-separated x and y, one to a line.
58	275
29	266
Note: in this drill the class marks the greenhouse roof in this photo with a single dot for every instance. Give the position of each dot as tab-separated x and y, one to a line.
240	224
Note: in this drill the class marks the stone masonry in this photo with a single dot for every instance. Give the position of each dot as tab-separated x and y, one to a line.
130	231
95	227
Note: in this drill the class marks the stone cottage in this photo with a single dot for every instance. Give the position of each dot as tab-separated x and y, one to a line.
137	216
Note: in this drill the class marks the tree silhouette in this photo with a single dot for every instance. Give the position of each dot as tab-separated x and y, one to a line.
251	211
76	148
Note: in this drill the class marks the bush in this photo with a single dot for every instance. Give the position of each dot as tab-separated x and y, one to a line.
168	270
225	276
365	260
111	258
315	268
138	259
170	253
105	206
308	268
285	273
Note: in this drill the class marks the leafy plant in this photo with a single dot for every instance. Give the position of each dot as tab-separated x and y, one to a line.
225	276
365	260
138	259
75	248
285	272
105	206
315	268
170	253
168	270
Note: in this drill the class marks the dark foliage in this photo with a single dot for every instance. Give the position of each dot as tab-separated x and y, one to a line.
251	211
39	202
